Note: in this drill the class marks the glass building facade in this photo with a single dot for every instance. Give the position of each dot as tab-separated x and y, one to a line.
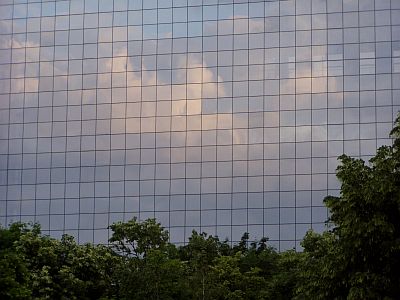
224	116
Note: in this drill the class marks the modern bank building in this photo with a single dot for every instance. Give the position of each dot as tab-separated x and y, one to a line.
223	116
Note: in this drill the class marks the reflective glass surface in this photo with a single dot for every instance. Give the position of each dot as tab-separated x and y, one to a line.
216	115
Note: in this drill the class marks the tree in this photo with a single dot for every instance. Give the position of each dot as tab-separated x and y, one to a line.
14	272
284	274
227	281
248	270
150	268
359	257
33	266
271	275
135	238
199	254
156	276
140	264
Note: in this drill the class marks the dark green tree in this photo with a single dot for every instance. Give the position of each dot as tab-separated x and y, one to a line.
199	255
284	274
248	270
150	268
359	257
227	281
14	272
278	272
134	238
34	266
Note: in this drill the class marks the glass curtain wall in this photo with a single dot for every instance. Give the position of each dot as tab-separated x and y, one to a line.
223	116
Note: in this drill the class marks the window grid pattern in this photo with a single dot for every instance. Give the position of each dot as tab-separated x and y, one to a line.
220	116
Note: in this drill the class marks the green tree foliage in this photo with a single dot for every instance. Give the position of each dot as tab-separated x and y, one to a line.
14	273
359	257
244	271
227	281
135	238
139	264
199	254
149	268
156	276
284	274
33	266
